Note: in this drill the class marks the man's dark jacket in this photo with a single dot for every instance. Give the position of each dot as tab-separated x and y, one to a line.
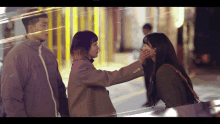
31	83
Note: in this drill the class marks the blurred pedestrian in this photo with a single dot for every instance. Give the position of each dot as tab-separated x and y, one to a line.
166	84
87	94
147	28
31	83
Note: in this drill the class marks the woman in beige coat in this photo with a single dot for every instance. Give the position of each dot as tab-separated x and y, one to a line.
87	94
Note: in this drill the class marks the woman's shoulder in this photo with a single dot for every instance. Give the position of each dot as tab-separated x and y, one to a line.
166	69
166	73
81	64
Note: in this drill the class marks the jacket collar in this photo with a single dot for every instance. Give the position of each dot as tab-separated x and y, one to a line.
87	59
91	60
33	44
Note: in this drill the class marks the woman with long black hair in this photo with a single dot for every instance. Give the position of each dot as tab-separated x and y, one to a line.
165	83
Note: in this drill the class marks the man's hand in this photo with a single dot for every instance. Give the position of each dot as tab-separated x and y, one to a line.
143	55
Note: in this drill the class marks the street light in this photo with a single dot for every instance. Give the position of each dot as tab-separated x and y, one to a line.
180	17
3	17
2	10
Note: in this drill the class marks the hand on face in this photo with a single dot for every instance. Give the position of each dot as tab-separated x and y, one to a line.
144	54
150	50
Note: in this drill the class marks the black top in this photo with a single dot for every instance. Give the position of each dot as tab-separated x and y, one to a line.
170	87
91	60
148	70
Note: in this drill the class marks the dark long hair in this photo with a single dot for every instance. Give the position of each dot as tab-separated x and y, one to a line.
81	44
83	40
165	53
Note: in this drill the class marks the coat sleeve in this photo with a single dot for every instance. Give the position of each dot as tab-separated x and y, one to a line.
170	87
90	76
63	102
12	88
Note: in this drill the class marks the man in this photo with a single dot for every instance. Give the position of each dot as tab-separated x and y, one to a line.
147	29
31	83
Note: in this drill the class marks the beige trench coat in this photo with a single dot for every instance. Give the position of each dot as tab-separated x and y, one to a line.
87	94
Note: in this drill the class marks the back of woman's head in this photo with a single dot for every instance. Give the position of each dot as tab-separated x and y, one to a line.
81	44
165	53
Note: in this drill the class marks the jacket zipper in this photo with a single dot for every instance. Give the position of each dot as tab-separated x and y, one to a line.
48	79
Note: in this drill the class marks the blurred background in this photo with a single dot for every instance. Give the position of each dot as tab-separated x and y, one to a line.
193	32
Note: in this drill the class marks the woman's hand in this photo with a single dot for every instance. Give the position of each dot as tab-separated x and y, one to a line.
143	55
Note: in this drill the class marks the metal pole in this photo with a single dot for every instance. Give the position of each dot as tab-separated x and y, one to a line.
59	43
75	20
50	33
89	10
82	18
67	27
102	48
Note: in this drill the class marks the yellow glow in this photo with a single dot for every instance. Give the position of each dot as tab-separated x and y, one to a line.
50	33
38	32
180	17
89	18
75	20
59	43
102	48
40	9
96	30
82	19
67	25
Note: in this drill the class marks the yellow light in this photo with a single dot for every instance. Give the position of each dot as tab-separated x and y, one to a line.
82	19
180	17
38	32
102	49
89	18
39	9
50	33
96	30
67	25
75	20
59	43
